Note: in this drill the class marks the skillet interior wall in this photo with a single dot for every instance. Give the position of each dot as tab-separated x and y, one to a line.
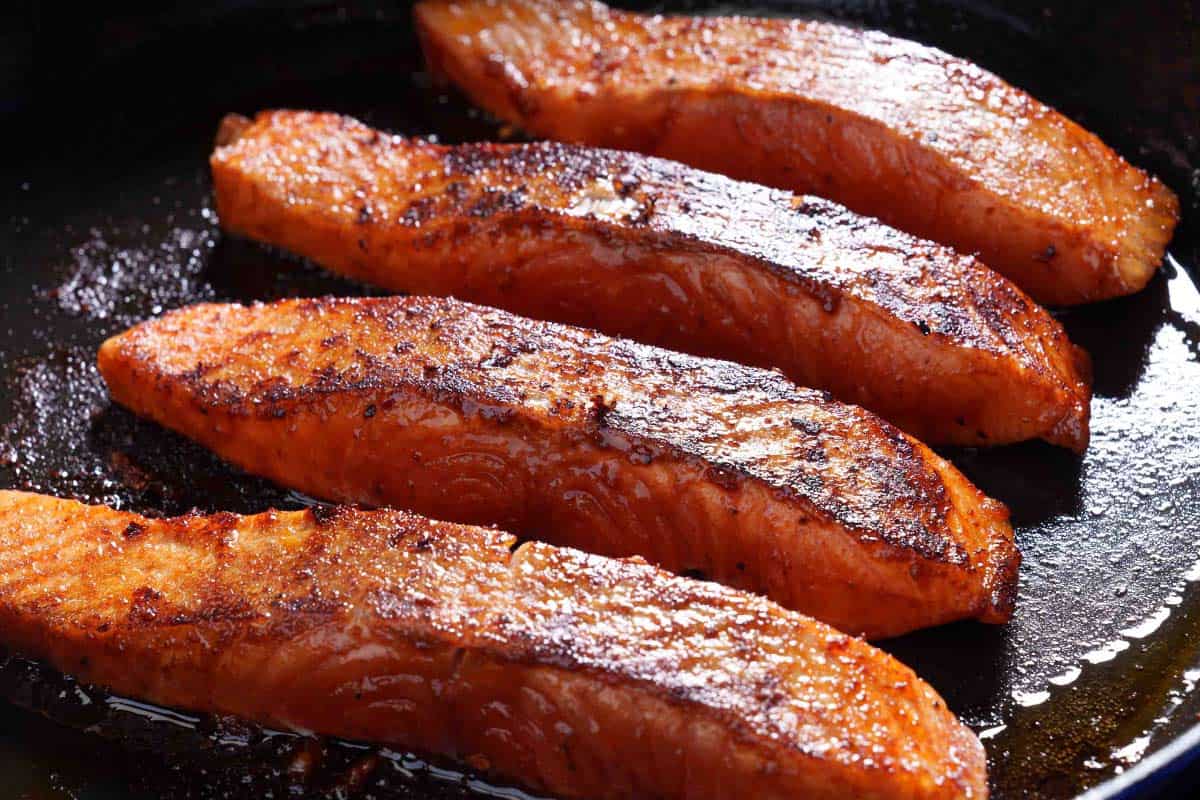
98	93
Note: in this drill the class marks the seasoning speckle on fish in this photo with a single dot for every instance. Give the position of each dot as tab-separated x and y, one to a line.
669	255
578	675
925	141
473	414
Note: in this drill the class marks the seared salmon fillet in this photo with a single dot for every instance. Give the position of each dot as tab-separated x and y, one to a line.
927	142
647	248
571	673
562	434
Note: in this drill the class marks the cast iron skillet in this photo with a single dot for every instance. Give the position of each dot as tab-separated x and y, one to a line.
106	221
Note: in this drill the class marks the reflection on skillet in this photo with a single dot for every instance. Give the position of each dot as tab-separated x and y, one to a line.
1122	358
213	756
1107	555
1084	524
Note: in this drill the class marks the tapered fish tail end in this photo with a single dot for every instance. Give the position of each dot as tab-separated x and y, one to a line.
110	363
1072	427
231	128
1002	569
1003	586
1073	431
1147	233
108	355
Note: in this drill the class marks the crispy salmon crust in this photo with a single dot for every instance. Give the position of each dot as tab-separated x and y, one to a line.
476	415
636	246
927	142
574	674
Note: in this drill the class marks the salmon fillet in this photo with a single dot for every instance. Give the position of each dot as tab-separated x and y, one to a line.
927	142
653	250
573	674
475	415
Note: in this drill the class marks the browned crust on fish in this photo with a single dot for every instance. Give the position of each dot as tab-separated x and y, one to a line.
650	249
473	414
925	141
574	674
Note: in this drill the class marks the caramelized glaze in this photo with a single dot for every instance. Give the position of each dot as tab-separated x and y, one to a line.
651	249
574	674
476	415
925	141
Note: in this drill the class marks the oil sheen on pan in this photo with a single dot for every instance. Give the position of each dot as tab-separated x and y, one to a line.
1096	670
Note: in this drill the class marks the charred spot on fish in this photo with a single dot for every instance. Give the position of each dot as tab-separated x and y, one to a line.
498	359
324	514
369	411
607	60
723	476
643	213
220	527
695	574
365	215
143	606
418	212
421	544
499	414
810	484
808	426
311	603
626	184
497	201
813	455
1046	255
133	530
923	327
599	409
218	610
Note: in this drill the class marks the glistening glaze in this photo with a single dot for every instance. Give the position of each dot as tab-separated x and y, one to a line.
473	414
891	128
1100	556
665	254
573	674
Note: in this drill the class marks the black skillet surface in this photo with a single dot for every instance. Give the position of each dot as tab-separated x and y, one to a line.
105	220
